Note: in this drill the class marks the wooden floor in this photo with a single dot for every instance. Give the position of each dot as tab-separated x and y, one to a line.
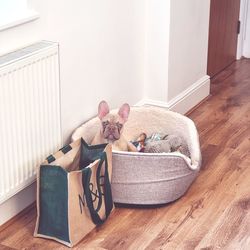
214	213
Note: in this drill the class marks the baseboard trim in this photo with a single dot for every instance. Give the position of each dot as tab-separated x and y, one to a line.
18	216
150	102
186	100
16	204
190	97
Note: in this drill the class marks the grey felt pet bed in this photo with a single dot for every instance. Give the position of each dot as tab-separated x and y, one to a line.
144	178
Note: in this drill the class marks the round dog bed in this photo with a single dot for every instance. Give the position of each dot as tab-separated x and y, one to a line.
146	178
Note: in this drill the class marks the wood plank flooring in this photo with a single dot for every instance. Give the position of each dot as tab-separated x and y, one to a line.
213	214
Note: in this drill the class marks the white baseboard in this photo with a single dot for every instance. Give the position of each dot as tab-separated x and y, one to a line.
17	203
190	97
186	100
150	102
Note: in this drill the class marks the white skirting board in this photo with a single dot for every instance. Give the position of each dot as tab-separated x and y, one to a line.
186	100
17	203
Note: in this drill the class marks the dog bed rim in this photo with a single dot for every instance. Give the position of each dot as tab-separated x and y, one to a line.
190	164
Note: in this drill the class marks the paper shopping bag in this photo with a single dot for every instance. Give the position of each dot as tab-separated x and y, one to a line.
74	192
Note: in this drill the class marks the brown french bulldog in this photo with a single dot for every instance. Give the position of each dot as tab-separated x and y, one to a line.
112	127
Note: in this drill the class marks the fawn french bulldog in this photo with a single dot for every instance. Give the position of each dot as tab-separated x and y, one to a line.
112	126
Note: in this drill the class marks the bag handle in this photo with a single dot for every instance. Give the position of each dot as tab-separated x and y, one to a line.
87	172
65	149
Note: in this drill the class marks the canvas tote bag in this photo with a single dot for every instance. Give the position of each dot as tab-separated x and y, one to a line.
74	192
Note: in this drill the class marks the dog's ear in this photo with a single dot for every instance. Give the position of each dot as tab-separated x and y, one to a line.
124	112
103	109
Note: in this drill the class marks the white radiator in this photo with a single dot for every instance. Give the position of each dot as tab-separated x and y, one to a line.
30	126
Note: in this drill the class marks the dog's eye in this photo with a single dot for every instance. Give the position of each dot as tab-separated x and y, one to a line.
119	125
105	124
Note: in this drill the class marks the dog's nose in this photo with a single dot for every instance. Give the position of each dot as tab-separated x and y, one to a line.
112	128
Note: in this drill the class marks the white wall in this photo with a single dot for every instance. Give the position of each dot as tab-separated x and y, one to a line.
241	36
246	32
101	52
157	21
176	45
188	45
101	55
121	51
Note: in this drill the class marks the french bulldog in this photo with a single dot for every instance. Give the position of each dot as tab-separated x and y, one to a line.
111	128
